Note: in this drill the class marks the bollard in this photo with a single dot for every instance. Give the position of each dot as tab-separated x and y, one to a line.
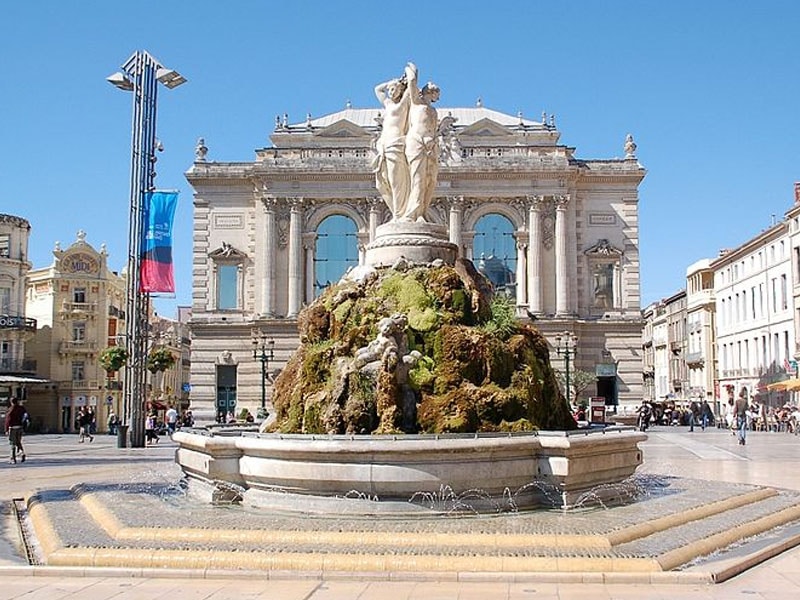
122	436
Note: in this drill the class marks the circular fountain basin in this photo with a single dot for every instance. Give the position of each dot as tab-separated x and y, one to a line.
546	468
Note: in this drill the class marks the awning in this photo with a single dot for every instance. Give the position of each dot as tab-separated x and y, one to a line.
17	379
788	385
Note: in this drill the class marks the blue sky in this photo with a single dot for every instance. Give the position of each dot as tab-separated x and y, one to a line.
708	89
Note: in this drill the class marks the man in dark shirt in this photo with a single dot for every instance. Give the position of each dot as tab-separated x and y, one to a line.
14	426
740	415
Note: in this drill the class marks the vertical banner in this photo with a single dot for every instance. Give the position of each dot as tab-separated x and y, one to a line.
156	274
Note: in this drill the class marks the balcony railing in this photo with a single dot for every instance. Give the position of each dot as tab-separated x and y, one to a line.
17	322
77	347
79	385
17	365
694	358
79	307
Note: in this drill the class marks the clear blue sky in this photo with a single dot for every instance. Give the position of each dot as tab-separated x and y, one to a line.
709	89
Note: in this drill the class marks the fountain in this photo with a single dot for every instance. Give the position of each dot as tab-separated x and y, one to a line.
411	376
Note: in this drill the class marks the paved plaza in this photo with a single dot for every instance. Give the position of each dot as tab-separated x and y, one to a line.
59	462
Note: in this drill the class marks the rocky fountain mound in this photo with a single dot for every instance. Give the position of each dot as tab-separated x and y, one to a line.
414	388
417	349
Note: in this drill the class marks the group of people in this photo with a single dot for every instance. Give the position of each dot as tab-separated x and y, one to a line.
86	423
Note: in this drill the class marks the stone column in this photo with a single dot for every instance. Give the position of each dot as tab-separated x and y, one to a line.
374	214
295	257
309	247
522	268
268	290
562	281
456	222
534	257
616	282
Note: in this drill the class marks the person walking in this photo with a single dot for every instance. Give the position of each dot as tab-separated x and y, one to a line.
14	427
172	420
740	416
85	419
150	434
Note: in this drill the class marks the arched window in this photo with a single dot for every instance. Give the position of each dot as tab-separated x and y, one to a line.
495	252
336	251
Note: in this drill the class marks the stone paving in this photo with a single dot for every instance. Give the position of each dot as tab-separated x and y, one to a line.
57	462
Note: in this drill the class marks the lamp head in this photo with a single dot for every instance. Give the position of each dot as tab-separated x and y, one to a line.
169	77
120	81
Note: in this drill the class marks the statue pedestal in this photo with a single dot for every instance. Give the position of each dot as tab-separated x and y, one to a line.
416	242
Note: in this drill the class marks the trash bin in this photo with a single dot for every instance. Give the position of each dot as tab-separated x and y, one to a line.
122	436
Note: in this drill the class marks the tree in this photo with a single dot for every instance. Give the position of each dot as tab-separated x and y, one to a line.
578	381
113	359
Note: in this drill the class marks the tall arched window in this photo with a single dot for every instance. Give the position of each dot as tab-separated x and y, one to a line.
336	251
495	252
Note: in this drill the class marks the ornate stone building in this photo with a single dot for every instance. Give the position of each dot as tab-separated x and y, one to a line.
16	373
79	304
558	233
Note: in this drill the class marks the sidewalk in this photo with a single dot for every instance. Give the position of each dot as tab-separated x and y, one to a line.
58	461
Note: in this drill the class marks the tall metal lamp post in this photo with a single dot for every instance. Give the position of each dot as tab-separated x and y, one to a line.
566	347
140	74
263	351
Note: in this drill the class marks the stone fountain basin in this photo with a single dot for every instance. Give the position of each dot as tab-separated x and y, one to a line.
563	465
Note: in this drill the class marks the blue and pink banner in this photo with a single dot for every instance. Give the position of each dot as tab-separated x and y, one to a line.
156	274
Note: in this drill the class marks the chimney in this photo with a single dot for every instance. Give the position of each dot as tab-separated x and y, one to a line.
797	192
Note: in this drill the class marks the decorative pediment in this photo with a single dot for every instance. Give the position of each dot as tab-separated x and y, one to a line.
486	128
227	252
342	129
603	248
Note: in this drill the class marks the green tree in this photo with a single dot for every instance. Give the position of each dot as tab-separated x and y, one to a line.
578	381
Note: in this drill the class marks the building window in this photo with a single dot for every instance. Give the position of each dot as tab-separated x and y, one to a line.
336	251
784	293
78	371
79	331
227	287
79	295
5	245
5	300
495	252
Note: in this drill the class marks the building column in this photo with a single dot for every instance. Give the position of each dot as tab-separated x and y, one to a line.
268	290
534	254
522	269
456	222
295	257
309	247
562	281
374	214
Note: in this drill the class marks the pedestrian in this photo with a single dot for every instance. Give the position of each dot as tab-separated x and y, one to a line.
172	419
113	421
150	434
14	427
705	414
740	415
85	419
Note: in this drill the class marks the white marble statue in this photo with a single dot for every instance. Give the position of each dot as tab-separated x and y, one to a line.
407	161
422	146
390	166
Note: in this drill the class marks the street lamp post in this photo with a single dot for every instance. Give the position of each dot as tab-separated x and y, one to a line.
566	347
140	74
263	351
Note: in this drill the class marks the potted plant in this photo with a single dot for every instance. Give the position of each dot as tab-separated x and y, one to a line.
160	358
113	359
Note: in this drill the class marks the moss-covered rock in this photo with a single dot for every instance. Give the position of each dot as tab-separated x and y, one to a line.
477	368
